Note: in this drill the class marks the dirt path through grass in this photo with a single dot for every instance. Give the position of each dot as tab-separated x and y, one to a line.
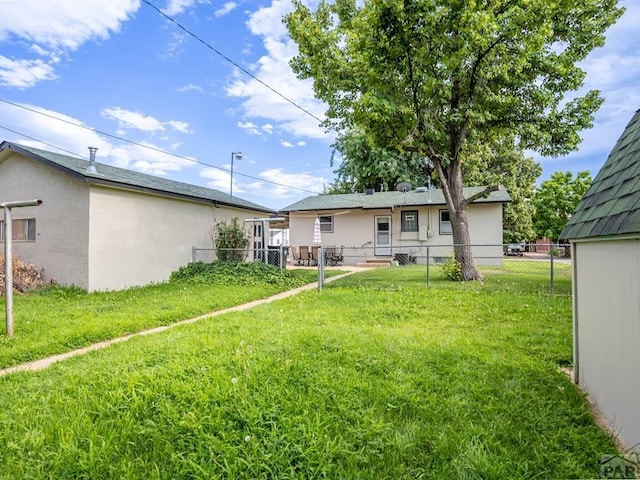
45	362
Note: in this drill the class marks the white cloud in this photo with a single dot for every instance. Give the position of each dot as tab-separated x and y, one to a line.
267	127
286	144
249	127
64	24
190	88
140	121
614	70
182	127
51	28
62	134
280	184
273	69
176	7
276	183
226	8
301	143
24	73
74	139
219	179
176	47
147	160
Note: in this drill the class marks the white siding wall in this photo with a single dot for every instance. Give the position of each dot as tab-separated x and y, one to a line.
355	230
607	321
139	238
61	221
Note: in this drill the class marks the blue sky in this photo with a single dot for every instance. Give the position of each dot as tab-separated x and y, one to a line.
120	67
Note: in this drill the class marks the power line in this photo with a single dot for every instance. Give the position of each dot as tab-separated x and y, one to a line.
235	64
196	37
155	149
38	140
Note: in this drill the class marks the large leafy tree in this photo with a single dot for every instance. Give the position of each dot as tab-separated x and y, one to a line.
438	77
365	166
501	164
556	200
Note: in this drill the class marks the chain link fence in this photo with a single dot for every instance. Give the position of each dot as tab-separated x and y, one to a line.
273	255
546	265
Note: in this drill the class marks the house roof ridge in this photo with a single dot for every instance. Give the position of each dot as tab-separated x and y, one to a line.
388	199
122	177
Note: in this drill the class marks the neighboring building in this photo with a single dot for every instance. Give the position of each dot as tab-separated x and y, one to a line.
542	245
605	238
110	229
398	225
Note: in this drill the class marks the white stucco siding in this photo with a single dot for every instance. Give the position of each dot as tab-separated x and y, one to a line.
139	238
352	228
355	230
485	223
607	327
60	247
485	228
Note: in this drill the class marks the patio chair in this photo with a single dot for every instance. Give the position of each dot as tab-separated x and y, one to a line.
305	258
295	254
313	257
339	256
329	255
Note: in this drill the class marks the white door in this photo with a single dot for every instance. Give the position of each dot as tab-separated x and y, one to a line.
382	237
258	243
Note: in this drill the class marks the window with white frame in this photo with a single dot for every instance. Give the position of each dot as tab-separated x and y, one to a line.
326	223
23	230
409	221
445	223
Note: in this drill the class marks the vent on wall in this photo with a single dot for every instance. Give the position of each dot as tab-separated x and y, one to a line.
369	191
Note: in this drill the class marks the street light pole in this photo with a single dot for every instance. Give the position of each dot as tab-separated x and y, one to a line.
237	155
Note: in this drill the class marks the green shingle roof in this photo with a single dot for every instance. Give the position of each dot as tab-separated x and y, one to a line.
123	178
388	200
611	206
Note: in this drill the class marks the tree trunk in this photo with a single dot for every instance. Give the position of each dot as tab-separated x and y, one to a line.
462	245
457	204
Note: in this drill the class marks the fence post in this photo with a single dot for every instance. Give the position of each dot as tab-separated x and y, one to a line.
320	268
552	255
193	254
283	260
428	263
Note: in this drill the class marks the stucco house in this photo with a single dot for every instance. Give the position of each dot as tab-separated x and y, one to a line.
398	225
104	228
604	233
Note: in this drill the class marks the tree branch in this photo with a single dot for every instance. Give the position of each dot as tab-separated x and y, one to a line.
444	183
480	194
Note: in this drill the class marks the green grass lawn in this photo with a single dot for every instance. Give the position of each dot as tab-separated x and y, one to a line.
376	377
57	320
